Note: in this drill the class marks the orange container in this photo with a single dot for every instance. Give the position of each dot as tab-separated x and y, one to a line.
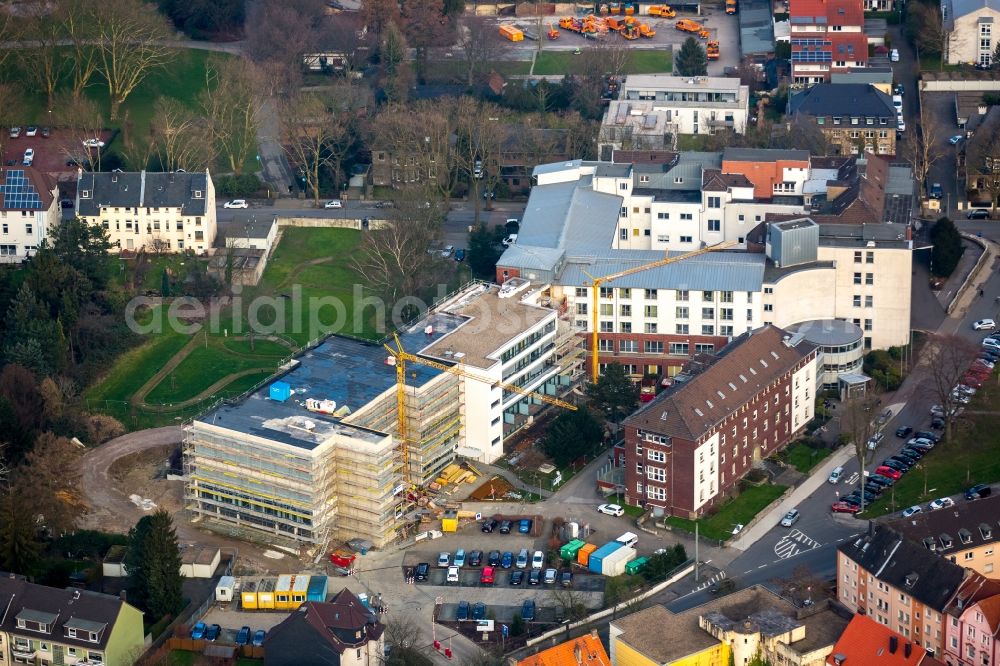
583	555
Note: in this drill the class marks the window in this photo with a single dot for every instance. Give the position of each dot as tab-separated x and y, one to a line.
581	292
626	327
681	329
623	234
623	212
607	327
708	296
663	216
857	301
857	278
687	216
650	311
686	239
707	329
868	324
857	257
6	229
28	229
714	202
656	474
581	308
606	345
868	301
8	250
643	179
681	313
628	346
768	307
714	225
622	186
681	294
703	348
768	290
678	349
678	180
708	313
625	310
656	456
726	314
726	330
654	347
725	297
662	239
869	257
650	294
869	278
650	327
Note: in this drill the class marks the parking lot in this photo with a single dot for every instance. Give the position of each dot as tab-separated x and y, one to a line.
52	153
231	620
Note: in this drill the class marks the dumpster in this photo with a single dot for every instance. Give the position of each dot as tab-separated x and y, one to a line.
596	563
583	555
569	551
635	566
317	588
614	564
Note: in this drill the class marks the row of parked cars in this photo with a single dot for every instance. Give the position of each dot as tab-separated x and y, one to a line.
477	611
491	525
201	631
886	474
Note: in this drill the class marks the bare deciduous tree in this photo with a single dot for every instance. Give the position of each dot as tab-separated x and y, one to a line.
481	129
182	138
426	26
480	44
130	44
84	117
418	138
922	148
78	24
42	57
859	421
49	481
378	14
232	106
315	132
278	33
948	358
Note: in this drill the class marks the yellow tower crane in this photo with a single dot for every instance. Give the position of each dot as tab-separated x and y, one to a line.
403	357
596	282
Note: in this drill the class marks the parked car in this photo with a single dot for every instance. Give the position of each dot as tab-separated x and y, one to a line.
889	472
444	560
505	527
955	139
334	203
566	578
835	475
479	611
896	465
462	612
984	325
243	637
486	578
46	132
550	576
31	131
213	633
507	561
535	577
538	560
524	526
882	481
528	610
941	503
978	214
452	576
905	462
422	570
912	511
258	637
93	143
873	488
489	525
927	434
459	560
903	431
790	518
460	254
936	192
937	423
978	491
236	203
29	157
516	577
15	132
476	558
874	441
611	510
522	559
894	55
198	630
494	559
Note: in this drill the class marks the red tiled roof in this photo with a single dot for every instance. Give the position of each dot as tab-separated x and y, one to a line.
589	648
41	181
865	641
990	608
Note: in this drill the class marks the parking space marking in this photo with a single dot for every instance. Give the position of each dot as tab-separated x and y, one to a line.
794	543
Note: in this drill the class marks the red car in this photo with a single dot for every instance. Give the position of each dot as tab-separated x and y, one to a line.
844	507
889	472
975	381
486	578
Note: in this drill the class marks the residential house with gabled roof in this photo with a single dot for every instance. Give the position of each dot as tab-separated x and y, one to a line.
855	118
827	36
170	211
899	584
967	533
972	625
686	451
865	641
48	625
970	26
29	208
341	632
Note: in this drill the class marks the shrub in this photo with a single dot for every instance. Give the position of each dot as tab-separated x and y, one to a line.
239	185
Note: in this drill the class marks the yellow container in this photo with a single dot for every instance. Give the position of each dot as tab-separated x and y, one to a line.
248	595
265	594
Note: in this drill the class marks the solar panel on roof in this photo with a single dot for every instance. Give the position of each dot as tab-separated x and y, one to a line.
18	192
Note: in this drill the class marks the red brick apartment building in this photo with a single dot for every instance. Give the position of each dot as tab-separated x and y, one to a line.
686	450
827	36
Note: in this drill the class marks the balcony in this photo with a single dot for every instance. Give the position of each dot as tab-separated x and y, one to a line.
22	652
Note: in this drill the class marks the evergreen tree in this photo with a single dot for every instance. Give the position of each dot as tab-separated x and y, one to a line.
165	281
571	435
947	249
691	59
137	561
614	394
163	570
483	251
19	546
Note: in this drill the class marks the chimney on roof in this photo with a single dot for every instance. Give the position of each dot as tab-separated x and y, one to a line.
593	633
839	659
893	644
907	649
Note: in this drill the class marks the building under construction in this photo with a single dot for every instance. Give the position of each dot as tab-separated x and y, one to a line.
317	454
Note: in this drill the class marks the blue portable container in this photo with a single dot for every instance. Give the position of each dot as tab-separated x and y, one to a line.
280	391
317	588
596	563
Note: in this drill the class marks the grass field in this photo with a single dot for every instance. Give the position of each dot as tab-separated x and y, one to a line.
952	466
183	79
548	63
804	458
739	510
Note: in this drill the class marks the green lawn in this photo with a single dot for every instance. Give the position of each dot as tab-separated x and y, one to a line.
739	510
182	79
952	466
692	141
548	63
803	457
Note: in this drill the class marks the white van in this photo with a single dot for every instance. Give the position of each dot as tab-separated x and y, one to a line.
836	474
628	539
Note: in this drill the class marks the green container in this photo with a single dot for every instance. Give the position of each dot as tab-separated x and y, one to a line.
633	567
569	551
